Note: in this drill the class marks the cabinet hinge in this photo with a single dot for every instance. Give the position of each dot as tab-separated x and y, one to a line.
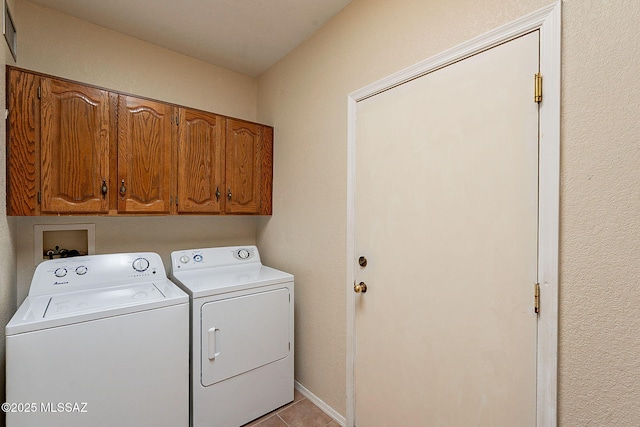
537	91
39	197
39	94
536	298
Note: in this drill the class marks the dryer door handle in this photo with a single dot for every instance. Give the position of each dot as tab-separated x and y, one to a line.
213	350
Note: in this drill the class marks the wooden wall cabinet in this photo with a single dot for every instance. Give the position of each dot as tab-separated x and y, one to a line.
23	143
200	162
248	167
75	148
78	149
224	165
145	135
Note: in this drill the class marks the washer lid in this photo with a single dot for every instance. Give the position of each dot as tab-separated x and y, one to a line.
48	311
76	302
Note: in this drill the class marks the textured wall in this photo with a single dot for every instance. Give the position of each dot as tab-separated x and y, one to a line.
161	234
7	231
61	45
305	95
58	44
600	215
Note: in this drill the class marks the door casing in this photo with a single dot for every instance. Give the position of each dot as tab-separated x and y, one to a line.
548	21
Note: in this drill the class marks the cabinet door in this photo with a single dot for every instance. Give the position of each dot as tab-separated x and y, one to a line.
144	155
74	147
242	168
200	162
23	134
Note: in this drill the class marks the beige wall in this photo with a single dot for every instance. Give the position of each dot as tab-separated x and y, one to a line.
58	44
305	97
600	214
161	234
7	230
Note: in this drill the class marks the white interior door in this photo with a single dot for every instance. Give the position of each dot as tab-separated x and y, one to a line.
446	200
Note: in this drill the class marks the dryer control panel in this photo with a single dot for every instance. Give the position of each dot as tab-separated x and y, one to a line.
96	271
194	259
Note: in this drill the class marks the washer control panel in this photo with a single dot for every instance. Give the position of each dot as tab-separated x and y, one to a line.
140	264
214	257
80	270
94	271
243	253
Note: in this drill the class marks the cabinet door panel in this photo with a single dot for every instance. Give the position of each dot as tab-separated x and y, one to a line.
74	147
144	155
23	133
200	163
242	166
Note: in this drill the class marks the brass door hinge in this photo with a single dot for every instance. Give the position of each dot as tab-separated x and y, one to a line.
537	91
536	298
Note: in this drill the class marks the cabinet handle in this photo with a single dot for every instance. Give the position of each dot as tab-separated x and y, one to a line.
229	194
217	194
104	189
123	189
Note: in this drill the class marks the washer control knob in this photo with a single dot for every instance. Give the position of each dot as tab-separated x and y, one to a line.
184	259
140	264
198	258
243	254
81	270
60	272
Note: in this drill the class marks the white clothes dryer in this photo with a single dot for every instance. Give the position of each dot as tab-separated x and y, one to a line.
101	340
241	334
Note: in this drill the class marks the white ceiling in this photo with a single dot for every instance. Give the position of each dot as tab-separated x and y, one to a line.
247	36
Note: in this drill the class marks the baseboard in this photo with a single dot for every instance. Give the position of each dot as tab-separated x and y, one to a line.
321	404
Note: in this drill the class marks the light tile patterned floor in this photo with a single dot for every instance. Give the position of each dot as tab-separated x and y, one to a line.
299	413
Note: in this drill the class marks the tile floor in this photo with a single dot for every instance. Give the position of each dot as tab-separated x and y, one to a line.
299	413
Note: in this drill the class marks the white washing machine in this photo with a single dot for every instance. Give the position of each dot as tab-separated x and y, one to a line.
241	334
101	340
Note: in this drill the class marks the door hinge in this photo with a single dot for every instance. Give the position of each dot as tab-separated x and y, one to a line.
537	91
536	298
39	197
39	93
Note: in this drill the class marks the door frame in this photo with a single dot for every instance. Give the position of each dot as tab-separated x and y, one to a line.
548	21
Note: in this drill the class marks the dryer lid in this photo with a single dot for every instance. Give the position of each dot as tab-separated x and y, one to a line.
215	281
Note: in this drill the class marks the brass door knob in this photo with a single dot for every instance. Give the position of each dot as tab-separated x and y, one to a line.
360	288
